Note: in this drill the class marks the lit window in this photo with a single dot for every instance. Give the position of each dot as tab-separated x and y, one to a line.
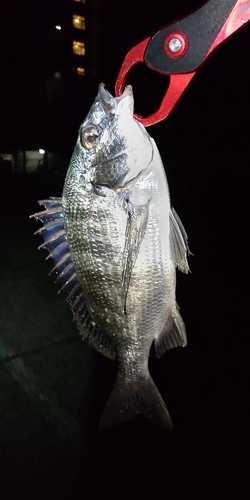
78	22
78	48
80	1
80	71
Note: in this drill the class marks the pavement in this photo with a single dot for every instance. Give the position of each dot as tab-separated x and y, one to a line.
54	386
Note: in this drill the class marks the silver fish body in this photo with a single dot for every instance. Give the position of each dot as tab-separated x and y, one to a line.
124	243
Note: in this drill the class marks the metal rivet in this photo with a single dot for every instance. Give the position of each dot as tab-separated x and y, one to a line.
175	45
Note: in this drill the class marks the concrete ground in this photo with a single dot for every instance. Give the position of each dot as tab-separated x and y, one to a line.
53	386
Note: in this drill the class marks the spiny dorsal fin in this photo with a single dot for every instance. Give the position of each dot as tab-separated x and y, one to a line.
55	241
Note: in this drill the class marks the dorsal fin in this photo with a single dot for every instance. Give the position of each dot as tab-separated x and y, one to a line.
55	241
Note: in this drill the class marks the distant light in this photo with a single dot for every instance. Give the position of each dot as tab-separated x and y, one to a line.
78	22
80	71
41	151
78	48
58	27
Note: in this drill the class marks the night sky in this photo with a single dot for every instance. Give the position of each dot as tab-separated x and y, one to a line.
205	149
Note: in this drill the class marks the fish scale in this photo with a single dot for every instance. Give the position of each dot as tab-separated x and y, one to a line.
91	259
116	243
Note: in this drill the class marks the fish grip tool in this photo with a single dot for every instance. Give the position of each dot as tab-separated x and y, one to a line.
179	49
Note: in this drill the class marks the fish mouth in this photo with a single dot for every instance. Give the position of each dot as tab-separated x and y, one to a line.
110	103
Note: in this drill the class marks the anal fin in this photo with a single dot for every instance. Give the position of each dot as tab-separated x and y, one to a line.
175	336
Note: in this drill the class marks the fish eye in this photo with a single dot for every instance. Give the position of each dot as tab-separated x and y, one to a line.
89	136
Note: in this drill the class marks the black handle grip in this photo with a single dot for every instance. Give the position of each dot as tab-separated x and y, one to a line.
201	29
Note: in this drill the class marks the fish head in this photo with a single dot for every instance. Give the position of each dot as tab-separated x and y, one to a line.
112	148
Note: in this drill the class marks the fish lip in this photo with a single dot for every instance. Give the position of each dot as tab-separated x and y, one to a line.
108	102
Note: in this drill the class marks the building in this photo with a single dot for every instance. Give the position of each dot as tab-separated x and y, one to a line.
85	34
50	64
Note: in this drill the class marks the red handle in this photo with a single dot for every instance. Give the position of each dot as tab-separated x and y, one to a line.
177	85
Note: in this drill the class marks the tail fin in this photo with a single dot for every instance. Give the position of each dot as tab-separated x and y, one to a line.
131	399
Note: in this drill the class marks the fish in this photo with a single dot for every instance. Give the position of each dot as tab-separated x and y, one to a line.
116	243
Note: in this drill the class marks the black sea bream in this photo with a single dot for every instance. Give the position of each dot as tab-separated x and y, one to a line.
116	243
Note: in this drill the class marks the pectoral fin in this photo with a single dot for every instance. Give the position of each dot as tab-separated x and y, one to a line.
135	230
178	242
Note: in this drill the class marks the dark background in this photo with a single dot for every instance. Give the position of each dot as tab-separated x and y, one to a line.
53	385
